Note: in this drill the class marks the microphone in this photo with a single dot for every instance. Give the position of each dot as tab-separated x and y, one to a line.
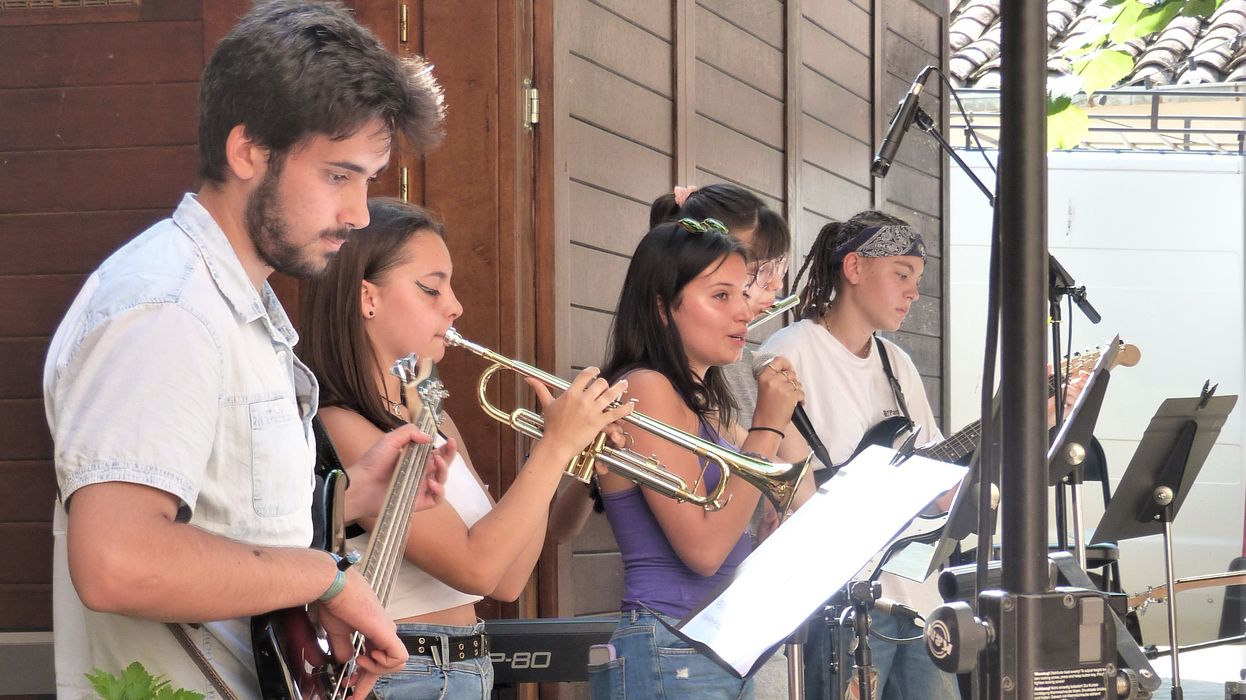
800	419
896	609
900	124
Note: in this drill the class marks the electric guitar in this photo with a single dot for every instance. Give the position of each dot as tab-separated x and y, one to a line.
292	655
958	449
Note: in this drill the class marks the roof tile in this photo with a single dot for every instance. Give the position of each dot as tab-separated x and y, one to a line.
1189	51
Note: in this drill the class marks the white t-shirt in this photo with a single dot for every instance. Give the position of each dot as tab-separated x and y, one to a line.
845	396
415	591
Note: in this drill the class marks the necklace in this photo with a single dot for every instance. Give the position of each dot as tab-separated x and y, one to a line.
394	407
863	354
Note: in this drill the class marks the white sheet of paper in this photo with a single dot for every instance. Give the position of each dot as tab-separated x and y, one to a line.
799	567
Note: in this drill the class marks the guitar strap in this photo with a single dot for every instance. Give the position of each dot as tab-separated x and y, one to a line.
326	461
326	457
891	379
192	650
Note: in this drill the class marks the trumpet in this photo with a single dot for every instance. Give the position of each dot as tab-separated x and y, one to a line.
775	309
776	481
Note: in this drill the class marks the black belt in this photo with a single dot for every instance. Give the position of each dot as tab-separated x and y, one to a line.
460	648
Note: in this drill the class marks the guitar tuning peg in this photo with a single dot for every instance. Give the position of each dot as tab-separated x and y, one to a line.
405	368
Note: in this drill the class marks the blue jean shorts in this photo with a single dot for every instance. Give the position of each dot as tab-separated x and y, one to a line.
651	662
424	679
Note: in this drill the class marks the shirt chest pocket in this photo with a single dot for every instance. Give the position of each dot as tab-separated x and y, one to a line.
280	458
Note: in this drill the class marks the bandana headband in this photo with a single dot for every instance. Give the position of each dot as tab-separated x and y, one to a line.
882	242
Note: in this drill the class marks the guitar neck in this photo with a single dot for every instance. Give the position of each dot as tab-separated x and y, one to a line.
387	543
965	441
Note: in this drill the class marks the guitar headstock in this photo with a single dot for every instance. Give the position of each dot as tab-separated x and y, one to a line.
422	392
1127	356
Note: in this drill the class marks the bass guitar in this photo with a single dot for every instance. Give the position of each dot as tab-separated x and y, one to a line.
292	655
959	449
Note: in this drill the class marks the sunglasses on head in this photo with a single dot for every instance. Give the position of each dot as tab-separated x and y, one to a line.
704	226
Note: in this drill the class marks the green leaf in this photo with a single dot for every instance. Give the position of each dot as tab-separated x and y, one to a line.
1201	8
1153	19
1103	70
1123	21
135	683
1067	124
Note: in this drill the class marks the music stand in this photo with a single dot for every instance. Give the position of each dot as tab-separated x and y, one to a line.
1068	451
1159	477
962	518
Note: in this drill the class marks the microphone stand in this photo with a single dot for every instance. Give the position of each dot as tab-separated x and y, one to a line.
1060	283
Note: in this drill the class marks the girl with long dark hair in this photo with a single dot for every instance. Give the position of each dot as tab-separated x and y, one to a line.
386	294
682	316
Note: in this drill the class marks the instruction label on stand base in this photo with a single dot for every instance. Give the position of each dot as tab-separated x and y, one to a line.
1070	683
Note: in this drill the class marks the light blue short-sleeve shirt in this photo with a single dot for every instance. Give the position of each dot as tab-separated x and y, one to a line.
171	370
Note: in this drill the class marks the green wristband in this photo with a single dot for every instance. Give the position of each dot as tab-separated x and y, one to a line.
339	583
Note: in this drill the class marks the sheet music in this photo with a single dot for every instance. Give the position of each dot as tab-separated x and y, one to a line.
799	567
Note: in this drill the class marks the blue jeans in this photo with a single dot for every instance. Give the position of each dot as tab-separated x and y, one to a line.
650	662
422	679
905	671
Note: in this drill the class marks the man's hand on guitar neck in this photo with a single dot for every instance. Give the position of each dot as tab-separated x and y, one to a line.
356	609
370	475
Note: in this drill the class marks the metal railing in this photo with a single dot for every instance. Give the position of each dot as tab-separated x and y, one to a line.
1195	120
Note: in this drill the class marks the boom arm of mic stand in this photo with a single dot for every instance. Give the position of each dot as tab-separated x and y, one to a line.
924	122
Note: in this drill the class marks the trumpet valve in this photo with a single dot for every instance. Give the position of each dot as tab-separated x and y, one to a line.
582	466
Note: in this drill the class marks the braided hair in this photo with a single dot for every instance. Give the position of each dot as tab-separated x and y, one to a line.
826	274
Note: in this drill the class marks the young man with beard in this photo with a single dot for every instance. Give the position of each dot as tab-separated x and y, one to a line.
180	414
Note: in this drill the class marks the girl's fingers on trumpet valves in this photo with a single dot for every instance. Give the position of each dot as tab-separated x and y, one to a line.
584	410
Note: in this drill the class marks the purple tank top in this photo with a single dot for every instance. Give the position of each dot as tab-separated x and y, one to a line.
653	574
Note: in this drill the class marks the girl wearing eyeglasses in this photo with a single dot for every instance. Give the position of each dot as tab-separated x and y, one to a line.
682	316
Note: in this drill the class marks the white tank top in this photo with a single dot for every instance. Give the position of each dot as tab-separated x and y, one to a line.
416	592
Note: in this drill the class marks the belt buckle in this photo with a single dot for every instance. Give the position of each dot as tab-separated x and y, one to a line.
434	650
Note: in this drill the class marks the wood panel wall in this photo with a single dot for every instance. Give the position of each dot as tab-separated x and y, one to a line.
788	99
98	111
913	34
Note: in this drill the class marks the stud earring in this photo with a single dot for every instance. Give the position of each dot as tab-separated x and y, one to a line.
371	313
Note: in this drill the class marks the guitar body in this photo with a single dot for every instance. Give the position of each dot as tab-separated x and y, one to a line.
884	434
291	655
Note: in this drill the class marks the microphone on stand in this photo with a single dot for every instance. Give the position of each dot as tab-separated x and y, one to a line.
800	419
900	124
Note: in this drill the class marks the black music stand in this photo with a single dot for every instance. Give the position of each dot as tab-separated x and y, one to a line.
1159	477
1070	447
962	519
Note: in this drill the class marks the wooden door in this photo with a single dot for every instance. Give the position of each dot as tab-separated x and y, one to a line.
98	113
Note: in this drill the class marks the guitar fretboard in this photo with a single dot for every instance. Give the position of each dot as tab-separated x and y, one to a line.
387	543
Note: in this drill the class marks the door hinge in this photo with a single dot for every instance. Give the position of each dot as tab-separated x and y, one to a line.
532	104
403	24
